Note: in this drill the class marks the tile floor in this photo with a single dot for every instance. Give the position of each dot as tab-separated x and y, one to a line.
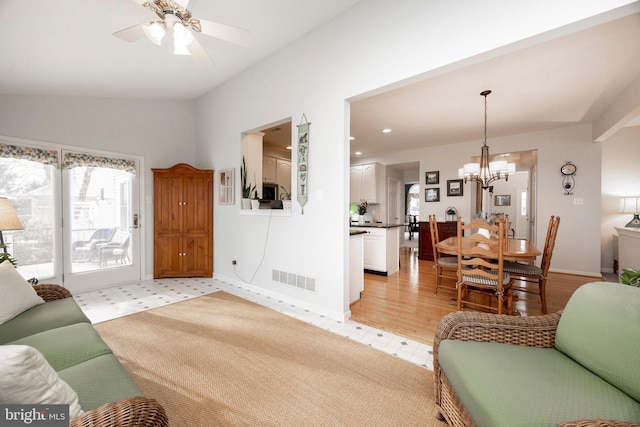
110	303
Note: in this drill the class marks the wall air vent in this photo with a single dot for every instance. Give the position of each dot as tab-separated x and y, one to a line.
295	280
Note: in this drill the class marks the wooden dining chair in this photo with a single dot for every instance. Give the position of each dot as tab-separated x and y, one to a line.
441	263
536	274
480	266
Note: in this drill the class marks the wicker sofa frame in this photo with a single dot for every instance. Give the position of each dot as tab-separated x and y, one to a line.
533	331
137	411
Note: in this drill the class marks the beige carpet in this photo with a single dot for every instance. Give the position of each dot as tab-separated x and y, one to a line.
218	360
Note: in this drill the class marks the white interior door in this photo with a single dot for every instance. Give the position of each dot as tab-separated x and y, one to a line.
395	202
522	213
101	227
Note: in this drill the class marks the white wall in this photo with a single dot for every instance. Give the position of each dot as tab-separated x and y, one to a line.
374	44
161	131
620	177
576	250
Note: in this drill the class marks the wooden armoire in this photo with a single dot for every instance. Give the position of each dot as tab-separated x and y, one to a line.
183	222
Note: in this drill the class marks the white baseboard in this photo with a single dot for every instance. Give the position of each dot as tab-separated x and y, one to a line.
331	314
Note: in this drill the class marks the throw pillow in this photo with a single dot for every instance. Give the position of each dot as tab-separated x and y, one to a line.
17	294
28	378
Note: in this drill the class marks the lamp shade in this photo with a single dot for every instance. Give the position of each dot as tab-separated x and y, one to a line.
629	204
8	218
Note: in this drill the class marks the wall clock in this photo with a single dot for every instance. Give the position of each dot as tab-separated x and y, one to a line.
568	170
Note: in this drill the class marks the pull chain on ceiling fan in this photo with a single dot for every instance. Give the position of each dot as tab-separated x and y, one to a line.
175	16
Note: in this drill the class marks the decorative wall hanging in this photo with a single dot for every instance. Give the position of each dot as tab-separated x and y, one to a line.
502	200
431	178
454	188
431	194
303	159
226	191
568	170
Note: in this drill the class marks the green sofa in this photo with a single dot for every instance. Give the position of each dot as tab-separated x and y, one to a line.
577	367
63	334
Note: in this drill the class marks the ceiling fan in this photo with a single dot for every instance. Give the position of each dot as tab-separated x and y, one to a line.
175	15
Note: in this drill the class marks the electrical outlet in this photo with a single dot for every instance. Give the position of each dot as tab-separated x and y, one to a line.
234	262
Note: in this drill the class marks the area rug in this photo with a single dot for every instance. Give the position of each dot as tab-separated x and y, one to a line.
218	360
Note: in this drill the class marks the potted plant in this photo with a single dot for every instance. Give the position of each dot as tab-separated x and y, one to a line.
5	256
255	200
630	277
247	189
286	199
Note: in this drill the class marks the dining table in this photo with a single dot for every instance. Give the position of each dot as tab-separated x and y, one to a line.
517	249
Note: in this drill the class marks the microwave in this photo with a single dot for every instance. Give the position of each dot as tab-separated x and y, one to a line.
269	192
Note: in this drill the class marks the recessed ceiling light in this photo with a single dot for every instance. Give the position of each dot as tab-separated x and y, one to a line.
358	153
386	130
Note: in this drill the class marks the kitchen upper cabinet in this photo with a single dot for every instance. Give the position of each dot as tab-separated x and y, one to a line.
183	222
366	182
269	169
283	174
278	171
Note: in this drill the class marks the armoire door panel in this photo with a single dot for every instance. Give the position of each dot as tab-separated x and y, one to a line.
168	256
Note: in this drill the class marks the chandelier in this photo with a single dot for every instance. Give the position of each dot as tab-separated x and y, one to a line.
486	172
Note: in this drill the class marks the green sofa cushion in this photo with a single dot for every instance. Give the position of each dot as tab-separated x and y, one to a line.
67	346
600	329
52	314
509	385
100	380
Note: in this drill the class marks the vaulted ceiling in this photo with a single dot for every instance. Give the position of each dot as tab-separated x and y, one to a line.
66	48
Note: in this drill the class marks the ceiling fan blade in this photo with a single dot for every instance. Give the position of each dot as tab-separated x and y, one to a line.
226	32
131	34
201	57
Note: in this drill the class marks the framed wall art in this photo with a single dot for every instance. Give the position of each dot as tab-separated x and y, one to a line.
502	200
226	191
431	194
432	178
455	188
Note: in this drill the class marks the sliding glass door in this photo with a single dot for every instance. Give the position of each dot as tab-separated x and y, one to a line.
101	234
79	212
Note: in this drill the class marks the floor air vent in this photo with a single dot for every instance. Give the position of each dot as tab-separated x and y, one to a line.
295	280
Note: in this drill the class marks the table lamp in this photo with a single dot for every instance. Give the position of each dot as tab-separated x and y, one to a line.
631	205
8	219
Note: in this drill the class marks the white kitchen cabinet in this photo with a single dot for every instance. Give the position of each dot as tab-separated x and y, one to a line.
367	182
268	169
277	171
381	249
355	187
283	174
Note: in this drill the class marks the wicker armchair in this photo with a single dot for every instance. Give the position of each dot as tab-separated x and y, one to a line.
534	331
136	411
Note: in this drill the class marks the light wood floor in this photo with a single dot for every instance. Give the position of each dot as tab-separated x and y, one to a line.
405	304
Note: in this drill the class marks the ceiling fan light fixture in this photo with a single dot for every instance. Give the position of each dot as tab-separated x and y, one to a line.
155	31
182	38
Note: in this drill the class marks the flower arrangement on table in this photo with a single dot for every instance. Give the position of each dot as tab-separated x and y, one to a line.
362	207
